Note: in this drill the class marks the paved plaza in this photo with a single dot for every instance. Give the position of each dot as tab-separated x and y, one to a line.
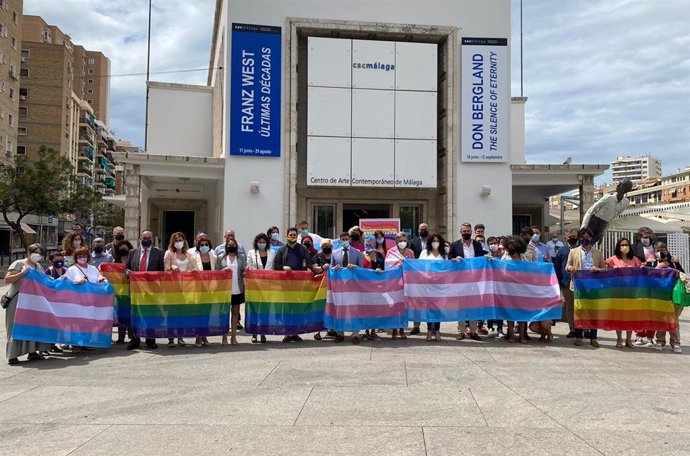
316	398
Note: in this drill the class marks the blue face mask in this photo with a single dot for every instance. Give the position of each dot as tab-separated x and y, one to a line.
368	247
146	242
261	245
585	242
535	238
345	244
204	249
275	236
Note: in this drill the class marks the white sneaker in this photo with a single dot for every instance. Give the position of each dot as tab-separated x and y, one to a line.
639	342
501	333
658	347
650	343
676	349
492	333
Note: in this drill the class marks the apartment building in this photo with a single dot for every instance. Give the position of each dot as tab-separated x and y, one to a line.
10	58
635	168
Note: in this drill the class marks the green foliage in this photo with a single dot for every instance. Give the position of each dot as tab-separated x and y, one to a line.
44	186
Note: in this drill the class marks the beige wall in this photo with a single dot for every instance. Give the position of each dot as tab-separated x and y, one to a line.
11	20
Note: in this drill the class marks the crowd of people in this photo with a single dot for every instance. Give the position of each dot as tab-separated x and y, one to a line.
353	249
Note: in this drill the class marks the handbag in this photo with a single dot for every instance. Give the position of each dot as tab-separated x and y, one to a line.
6	300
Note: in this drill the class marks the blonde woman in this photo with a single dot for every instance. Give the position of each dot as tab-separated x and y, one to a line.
178	259
70	243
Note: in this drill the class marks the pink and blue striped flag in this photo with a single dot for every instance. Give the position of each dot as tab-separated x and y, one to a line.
60	312
364	299
481	289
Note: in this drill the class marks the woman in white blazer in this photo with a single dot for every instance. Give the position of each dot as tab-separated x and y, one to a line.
204	260
260	257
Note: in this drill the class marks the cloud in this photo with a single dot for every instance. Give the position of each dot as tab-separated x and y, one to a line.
180	40
605	78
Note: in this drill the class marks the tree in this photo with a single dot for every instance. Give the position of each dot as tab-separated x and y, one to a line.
46	186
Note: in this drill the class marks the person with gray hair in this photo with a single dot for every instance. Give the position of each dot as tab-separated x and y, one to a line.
100	254
16	272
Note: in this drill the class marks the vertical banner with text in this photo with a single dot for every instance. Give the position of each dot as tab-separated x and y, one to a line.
485	107
255	89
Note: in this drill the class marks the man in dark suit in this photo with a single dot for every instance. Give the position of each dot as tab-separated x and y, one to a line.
146	257
460	249
643	249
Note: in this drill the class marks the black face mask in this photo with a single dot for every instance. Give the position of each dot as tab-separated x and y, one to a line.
466	236
123	252
120	237
572	241
231	249
327	250
356	237
307	245
423	233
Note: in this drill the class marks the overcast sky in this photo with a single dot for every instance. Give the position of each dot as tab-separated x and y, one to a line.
603	77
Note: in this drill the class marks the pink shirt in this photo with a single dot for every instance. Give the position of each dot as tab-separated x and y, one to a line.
394	258
615	262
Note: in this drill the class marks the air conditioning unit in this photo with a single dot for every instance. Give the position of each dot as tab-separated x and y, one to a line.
23	59
23	97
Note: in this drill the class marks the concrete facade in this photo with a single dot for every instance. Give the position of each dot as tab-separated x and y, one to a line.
11	56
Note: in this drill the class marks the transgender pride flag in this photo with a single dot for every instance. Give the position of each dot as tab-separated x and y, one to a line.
481	289
59	312
364	299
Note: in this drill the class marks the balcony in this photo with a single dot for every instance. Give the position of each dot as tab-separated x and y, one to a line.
86	139
110	182
86	153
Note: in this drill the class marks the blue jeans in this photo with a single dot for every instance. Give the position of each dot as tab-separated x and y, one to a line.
592	333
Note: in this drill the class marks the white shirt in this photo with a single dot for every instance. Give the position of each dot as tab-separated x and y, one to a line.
183	265
76	273
586	259
235	275
425	255
649	252
468	250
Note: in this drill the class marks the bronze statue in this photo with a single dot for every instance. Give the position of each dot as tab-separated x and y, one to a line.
604	211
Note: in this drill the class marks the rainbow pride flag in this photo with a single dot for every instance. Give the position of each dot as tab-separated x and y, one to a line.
625	299
364	299
480	289
180	304
60	312
115	273
286	303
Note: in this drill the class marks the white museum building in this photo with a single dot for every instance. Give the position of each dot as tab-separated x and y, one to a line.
336	111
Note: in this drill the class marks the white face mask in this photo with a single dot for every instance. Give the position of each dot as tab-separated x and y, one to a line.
493	247
402	245
76	243
435	245
178	245
36	257
646	242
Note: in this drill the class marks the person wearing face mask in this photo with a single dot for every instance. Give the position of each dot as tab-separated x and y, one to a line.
205	259
99	254
120	253
303	231
435	251
146	257
17	270
82	272
322	261
347	257
356	238
373	259
496	252
273	234
71	242
623	258
118	235
541	248
463	248
560	264
308	242
261	257
515	248
554	245
527	235
381	245
293	256
587	258
230	234
418	245
665	260
394	259
57	265
237	263
178	259
644	247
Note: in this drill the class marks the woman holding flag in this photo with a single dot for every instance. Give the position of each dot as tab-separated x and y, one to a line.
260	257
435	250
237	263
15	273
623	257
178	259
394	259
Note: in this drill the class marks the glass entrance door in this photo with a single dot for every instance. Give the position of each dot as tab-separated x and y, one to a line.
353	212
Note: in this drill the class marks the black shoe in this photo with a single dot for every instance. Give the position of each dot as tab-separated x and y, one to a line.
55	349
35	356
317	336
339	339
475	336
13	361
527	337
332	333
570	335
239	325
414	331
134	344
296	338
151	345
